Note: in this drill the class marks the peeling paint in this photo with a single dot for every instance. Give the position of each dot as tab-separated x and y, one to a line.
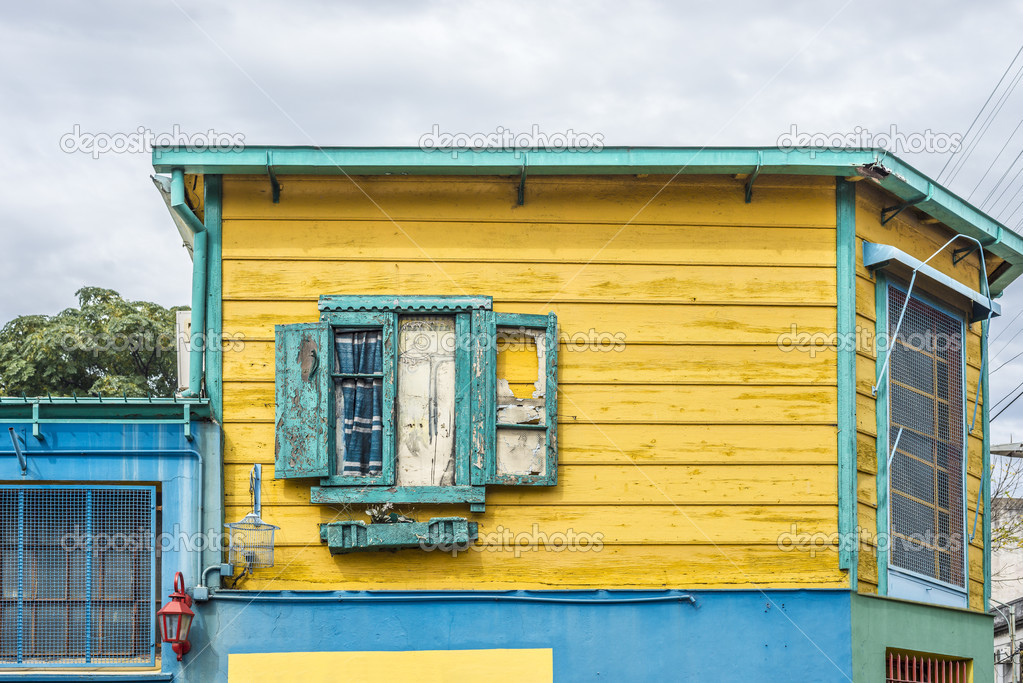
426	401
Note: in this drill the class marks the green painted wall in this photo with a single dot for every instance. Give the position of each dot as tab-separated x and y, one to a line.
880	623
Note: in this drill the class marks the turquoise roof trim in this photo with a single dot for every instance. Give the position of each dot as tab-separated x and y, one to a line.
890	172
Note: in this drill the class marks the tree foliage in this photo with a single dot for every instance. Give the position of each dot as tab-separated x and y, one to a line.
107	345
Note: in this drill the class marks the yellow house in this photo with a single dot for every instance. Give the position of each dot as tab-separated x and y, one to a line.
627	413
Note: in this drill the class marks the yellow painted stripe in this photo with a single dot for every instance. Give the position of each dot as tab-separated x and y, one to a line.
624	403
422	666
611	485
707	200
542	282
633	364
582	444
636	323
526	242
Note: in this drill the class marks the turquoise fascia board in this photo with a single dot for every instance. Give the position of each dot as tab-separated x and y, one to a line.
845	205
891	173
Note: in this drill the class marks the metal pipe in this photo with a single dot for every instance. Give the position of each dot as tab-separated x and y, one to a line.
249	596
181	209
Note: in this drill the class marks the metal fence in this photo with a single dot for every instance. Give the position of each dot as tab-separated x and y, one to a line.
76	575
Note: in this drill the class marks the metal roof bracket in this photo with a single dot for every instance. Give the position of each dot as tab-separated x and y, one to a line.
275	187
22	460
522	184
890	212
753	177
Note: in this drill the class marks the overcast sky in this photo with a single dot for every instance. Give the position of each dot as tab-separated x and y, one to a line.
725	73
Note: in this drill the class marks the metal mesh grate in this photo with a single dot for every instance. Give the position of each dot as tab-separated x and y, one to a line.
926	432
76	573
919	669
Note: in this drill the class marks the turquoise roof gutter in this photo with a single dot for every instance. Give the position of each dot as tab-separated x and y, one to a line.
900	179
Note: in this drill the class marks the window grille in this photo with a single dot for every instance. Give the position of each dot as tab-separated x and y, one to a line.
919	669
76	576
926	435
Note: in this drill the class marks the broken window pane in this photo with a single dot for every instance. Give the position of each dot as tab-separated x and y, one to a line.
521	401
426	401
521	451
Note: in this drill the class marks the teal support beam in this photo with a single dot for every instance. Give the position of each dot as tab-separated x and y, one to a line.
845	204
985	479
180	207
881	328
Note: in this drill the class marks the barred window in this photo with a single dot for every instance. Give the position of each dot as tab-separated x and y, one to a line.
926	437
76	576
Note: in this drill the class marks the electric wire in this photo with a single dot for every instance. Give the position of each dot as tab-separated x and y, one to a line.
981	111
988	120
1006	407
1006	328
997	157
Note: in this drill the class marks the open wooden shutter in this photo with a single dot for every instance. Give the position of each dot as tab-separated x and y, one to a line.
524	441
302	396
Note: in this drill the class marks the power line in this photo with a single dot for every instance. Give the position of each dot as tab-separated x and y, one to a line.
1005	329
1004	173
975	118
1007	362
1007	407
1014	390
997	156
986	125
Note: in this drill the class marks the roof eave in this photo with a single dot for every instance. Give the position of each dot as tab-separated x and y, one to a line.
902	180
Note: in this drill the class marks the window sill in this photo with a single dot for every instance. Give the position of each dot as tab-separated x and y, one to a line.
352	536
399	495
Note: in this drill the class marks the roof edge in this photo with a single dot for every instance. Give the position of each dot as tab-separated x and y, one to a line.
887	170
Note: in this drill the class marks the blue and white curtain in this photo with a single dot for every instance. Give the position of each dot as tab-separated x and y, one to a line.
358	403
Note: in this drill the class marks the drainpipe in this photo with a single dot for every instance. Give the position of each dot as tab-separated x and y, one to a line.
197	343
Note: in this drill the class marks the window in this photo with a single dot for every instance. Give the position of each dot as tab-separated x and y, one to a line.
926	439
76	576
903	667
416	399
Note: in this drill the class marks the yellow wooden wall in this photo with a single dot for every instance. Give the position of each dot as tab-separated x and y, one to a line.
690	451
917	238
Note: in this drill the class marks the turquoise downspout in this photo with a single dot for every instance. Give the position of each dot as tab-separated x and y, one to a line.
985	475
184	212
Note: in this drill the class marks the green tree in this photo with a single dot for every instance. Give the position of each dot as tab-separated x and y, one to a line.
107	345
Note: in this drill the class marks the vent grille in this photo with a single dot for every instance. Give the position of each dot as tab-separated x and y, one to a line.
76	574
926	431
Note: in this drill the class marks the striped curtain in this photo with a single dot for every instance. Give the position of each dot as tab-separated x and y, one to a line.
358	402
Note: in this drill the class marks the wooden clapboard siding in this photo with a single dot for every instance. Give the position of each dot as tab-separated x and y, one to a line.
688	437
918	239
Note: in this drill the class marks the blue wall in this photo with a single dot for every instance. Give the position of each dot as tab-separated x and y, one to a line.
109	452
726	635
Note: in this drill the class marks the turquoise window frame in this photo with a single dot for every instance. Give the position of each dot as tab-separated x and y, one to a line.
893	581
475	402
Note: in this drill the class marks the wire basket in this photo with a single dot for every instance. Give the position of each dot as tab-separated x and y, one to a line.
251	543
